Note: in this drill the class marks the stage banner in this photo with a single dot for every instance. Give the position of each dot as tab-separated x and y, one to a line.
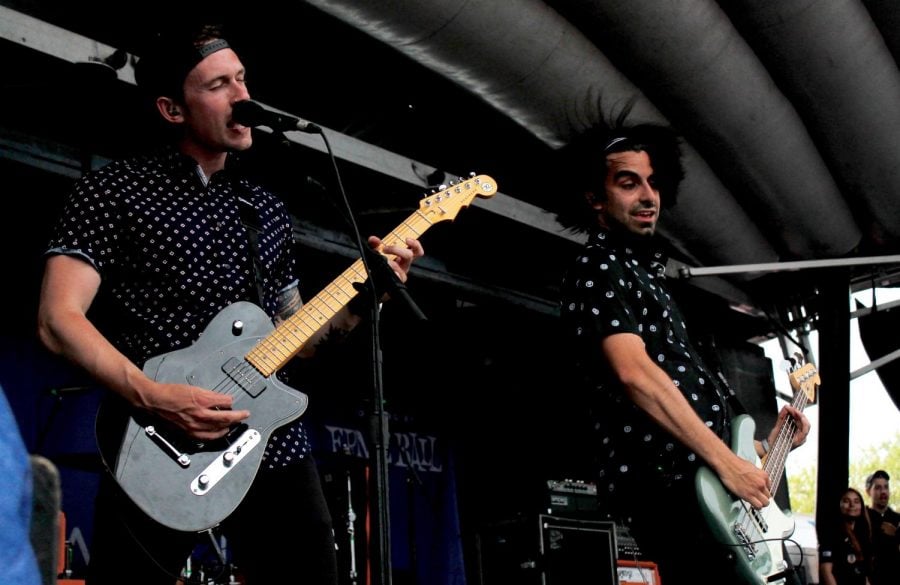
426	545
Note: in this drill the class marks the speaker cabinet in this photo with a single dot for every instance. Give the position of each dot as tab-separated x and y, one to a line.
548	550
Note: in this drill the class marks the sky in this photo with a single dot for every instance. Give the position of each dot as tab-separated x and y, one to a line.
874	418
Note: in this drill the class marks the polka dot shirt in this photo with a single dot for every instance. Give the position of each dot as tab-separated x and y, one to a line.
172	251
619	287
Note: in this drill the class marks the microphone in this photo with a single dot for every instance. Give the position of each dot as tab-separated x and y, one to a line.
251	114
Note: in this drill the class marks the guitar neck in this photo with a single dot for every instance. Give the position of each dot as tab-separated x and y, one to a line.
276	349
776	458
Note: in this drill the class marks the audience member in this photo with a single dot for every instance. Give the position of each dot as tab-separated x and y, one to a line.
885	521
845	546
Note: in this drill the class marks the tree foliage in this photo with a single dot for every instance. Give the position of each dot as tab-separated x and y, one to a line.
802	482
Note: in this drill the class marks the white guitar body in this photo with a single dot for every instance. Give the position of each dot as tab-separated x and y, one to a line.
755	535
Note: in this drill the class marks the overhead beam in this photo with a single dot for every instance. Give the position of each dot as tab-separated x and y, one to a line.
685	271
58	42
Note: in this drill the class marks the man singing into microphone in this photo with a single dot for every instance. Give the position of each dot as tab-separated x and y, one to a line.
157	245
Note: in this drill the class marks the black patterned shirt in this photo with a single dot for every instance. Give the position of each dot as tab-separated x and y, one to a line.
618	286
172	251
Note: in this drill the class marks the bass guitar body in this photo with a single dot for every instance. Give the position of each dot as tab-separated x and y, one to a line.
754	535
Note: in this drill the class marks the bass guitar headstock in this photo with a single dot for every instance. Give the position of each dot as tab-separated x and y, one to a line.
804	377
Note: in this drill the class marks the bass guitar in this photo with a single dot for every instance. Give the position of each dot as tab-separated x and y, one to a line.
756	534
192	486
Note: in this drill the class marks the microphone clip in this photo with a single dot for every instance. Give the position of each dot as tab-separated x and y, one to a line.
382	280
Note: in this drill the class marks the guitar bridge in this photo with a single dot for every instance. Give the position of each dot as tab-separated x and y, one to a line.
222	465
744	540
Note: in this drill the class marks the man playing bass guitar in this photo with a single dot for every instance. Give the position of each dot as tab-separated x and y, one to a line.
659	413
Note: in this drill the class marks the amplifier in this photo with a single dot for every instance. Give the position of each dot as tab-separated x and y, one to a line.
572	486
572	496
637	573
548	550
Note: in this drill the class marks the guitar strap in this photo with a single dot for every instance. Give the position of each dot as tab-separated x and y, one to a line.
730	395
250	219
723	388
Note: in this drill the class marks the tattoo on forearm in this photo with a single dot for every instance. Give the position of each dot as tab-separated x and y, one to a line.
289	302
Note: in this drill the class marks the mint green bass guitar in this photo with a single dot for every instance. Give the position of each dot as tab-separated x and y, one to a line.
756	534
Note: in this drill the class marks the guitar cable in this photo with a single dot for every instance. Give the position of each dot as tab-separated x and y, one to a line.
790	569
186	579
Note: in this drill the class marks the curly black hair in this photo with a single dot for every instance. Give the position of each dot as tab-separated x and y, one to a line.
582	163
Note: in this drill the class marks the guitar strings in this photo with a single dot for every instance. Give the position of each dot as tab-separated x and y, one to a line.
773	466
783	443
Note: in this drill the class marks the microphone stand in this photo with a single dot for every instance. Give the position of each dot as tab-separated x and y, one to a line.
381	279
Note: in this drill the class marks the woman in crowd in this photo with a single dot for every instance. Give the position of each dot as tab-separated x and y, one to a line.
845	547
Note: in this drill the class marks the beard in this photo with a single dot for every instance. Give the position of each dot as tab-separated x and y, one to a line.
638	239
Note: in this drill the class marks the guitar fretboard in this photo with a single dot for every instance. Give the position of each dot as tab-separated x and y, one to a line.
276	349
774	463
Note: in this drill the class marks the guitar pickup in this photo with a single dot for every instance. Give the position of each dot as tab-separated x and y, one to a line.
760	520
244	375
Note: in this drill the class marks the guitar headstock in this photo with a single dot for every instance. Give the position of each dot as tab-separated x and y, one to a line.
804	377
447	202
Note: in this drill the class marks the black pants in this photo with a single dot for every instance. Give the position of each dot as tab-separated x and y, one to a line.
669	528
280	533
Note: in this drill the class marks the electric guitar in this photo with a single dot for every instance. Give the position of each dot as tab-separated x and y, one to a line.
756	534
192	486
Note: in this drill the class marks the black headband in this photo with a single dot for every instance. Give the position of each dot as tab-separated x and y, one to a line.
190	56
209	48
613	142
